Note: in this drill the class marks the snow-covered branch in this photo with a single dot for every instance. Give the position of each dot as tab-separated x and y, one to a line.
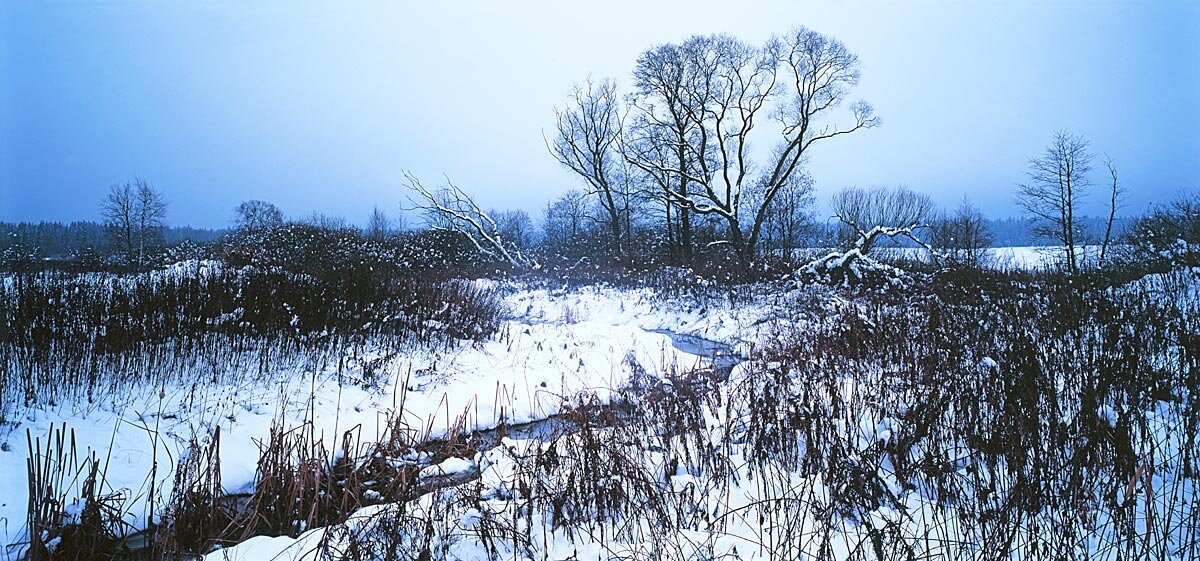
451	209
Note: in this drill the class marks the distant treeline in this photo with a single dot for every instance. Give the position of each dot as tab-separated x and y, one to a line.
55	240
1003	232
1017	232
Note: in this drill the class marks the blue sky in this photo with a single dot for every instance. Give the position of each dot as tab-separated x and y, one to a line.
321	107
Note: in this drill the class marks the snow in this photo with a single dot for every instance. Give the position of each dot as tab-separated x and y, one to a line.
524	374
1012	258
267	548
555	344
449	466
725	320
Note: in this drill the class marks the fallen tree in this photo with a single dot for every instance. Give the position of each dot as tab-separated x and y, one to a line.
452	209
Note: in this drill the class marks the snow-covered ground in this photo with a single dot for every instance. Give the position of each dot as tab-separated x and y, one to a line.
1013	258
732	510
555	345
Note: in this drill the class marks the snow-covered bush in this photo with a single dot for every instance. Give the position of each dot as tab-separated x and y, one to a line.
853	269
1167	237
1033	410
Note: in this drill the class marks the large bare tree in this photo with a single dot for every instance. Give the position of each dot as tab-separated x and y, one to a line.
645	150
135	214
658	139
698	104
728	87
1057	184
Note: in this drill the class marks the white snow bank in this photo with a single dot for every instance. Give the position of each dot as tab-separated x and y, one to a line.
449	466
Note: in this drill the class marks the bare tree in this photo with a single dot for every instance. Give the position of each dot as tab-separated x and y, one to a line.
650	158
588	132
698	104
257	216
730	84
151	217
119	216
866	215
379	225
450	208
1057	184
963	238
658	142
399	222
135	214
515	227
1116	200
869	214
564	224
789	218
327	221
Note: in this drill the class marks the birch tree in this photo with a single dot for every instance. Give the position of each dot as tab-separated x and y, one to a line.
135	214
1057	182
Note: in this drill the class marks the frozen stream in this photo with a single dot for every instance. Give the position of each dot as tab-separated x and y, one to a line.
719	356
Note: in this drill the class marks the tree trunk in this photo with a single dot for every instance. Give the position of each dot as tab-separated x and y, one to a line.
671	250
685	221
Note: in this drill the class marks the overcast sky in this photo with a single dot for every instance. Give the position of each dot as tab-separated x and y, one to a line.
322	107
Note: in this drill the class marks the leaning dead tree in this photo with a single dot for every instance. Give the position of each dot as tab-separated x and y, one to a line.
1116	200
450	208
870	214
866	216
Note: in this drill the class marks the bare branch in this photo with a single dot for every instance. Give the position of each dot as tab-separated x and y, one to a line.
450	208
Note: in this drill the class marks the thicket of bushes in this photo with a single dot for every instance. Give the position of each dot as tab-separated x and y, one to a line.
1043	419
296	290
1168	236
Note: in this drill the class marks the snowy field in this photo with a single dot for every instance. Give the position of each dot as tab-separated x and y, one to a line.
720	482
556	344
1002	258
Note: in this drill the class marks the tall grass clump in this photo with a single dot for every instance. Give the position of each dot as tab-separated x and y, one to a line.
72	514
